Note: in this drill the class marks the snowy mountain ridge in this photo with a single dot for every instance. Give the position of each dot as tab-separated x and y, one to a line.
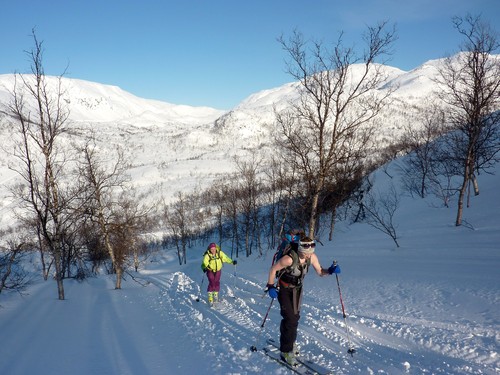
170	145
94	102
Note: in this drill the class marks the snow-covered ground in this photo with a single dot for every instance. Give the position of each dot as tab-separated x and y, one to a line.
428	307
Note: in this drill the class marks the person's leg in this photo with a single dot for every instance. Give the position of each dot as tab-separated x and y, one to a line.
290	321
211	285
217	285
296	302
211	281
217	281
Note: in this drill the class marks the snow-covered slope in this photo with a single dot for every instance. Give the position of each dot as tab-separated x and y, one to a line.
428	307
171	146
174	147
95	102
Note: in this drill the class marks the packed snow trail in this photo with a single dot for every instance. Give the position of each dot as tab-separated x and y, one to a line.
381	340
96	330
227	331
399	323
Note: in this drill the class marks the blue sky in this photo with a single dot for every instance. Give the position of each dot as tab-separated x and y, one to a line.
212	52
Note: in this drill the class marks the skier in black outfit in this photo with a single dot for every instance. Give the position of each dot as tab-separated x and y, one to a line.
290	271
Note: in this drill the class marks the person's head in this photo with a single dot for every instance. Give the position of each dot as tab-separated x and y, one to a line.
212	247
306	247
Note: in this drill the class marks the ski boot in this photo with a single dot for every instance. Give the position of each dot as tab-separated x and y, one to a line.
289	358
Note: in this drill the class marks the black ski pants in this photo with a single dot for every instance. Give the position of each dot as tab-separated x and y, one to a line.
289	299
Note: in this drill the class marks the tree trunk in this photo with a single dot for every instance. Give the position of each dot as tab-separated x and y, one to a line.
59	276
332	222
461	195
475	183
314	213
119	274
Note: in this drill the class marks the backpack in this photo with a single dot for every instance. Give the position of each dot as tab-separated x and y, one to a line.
289	247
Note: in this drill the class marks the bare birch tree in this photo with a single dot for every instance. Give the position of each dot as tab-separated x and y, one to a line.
177	218
41	160
380	210
419	167
249	185
111	205
337	99
471	81
13	276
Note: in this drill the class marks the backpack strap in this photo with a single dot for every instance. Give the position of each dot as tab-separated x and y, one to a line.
295	259
215	257
286	278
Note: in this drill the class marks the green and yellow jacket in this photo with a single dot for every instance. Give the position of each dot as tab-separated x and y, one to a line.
214	262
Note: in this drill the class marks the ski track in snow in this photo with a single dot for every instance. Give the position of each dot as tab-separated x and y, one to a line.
230	328
407	334
227	330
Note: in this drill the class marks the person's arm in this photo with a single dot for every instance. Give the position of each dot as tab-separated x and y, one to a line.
283	262
225	258
319	270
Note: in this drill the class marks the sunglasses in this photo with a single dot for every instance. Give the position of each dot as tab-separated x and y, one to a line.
307	245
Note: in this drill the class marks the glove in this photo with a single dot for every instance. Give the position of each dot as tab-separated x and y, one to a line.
334	268
204	270
235	262
271	289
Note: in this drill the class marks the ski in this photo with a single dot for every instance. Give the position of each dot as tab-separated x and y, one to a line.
219	305
305	366
274	353
214	304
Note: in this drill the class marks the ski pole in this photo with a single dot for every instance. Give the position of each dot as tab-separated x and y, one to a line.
234	282
234	279
350	349
253	348
201	286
